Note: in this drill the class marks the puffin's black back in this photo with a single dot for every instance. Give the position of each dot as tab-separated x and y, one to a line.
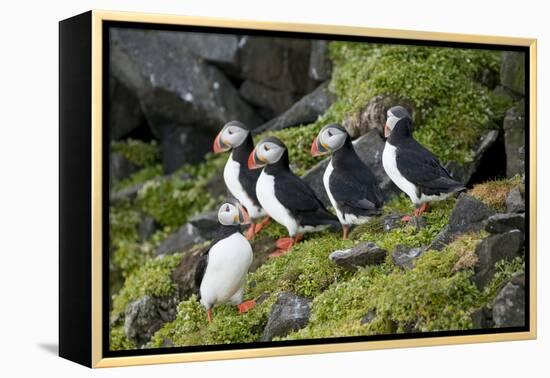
352	183
222	233
247	177
295	195
418	165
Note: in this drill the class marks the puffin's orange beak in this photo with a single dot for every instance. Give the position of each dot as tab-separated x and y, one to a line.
252	164
386	130
218	146
245	218
314	148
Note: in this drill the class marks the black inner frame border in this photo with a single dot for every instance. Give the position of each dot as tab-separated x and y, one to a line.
106	25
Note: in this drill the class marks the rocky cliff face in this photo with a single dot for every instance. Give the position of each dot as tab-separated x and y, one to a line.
460	266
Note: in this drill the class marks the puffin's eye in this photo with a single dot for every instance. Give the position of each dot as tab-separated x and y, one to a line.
230	132
266	148
227	209
329	133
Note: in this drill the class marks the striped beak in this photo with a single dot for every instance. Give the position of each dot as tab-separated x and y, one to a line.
253	161
244	218
317	149
386	130
219	146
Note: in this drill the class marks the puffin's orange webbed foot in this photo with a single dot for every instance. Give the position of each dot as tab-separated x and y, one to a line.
260	226
209	314
246	306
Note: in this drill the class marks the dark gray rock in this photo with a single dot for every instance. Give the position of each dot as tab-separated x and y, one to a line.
290	313
120	167
271	102
125	112
512	72
221	49
144	316
128	193
174	86
514	139
320	66
180	145
206	223
468	215
373	115
146	228
482	319
361	255
464	172
182	239
369	317
493	249
509	305
405	257
278	63
515	202
369	147
418	222
499	223
306	110
391	222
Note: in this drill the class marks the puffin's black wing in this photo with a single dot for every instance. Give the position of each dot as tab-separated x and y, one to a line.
201	269
295	195
356	190
419	166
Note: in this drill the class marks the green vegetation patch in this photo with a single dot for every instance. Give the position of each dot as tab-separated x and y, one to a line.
432	296
144	174
453	108
139	153
118	339
191	326
173	199
153	278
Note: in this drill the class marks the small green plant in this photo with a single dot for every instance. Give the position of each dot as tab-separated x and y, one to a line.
139	153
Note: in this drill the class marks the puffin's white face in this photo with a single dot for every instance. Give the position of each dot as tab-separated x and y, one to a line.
329	139
266	152
232	214
231	136
394	115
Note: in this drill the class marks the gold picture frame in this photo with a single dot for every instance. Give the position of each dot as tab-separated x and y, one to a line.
95	20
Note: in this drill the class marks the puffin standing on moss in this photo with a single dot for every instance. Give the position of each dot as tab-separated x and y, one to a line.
412	167
350	185
286	197
221	271
240	180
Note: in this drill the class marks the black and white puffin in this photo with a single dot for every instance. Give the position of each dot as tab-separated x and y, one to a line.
240	180
350	185
221	271
412	167
286	197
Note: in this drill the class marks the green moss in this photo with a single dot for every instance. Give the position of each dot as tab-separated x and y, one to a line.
192	328
153	278
452	108
505	269
118	340
436	219
431	296
306	270
137	152
172	200
143	175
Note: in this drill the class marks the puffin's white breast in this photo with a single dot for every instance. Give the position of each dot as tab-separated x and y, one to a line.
390	166
231	178
228	263
265	190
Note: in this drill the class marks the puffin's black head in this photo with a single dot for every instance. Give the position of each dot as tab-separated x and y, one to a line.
268	151
230	136
232	213
394	115
331	138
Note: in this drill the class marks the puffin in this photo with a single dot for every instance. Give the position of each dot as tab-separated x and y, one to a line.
221	270
241	181
350	184
286	197
413	168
